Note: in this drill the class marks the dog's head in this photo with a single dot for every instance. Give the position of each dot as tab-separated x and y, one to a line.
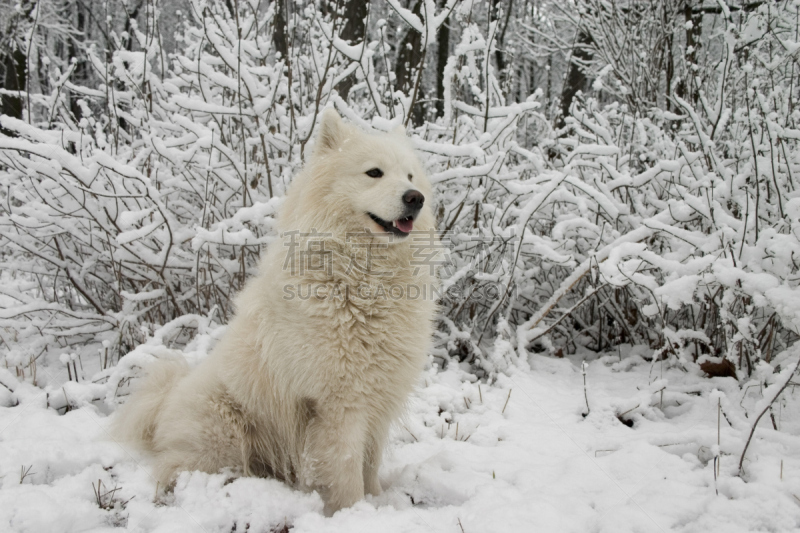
355	181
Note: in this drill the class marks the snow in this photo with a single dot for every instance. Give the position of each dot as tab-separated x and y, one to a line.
128	229
515	455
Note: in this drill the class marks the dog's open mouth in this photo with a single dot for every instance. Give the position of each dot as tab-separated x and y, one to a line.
400	227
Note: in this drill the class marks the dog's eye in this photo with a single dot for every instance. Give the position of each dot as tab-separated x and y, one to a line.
410	177
374	173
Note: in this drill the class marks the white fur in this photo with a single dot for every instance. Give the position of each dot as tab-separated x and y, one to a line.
305	389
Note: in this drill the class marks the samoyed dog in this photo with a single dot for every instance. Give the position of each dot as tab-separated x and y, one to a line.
327	340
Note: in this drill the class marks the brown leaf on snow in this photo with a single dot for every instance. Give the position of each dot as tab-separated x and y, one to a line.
722	368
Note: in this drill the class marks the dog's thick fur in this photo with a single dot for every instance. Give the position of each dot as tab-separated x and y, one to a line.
305	388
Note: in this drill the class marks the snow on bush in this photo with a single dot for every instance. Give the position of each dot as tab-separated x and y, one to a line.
671	229
656	225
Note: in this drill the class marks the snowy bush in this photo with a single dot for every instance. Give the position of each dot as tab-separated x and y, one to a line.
144	196
616	185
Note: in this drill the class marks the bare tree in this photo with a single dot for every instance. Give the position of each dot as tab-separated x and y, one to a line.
353	31
279	38
576	80
442	53
410	58
14	59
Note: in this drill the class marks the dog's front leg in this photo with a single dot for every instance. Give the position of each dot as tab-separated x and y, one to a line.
335	446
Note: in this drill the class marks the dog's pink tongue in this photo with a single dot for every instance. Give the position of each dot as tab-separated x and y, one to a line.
405	225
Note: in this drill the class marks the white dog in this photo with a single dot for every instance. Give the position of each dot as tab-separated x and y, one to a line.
327	341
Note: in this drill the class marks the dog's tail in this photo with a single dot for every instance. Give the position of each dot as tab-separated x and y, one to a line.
136	421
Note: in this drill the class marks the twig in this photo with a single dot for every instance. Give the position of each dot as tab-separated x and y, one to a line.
409	432
601	255
719	411
585	393
506	404
766	408
24	472
38	8
568	312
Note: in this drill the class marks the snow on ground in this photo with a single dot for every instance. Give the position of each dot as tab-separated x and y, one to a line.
458	462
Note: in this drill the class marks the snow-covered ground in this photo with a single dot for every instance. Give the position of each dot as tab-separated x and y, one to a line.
517	455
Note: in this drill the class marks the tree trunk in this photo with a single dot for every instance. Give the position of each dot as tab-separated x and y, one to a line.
279	29
576	78
14	65
499	53
15	62
353	31
80	76
669	58
693	24
442	53
409	60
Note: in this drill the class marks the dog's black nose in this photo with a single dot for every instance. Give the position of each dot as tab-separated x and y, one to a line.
413	199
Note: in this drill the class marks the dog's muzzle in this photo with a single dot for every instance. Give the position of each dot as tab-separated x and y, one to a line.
412	201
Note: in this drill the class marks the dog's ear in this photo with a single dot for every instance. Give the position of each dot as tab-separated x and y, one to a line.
331	131
400	129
